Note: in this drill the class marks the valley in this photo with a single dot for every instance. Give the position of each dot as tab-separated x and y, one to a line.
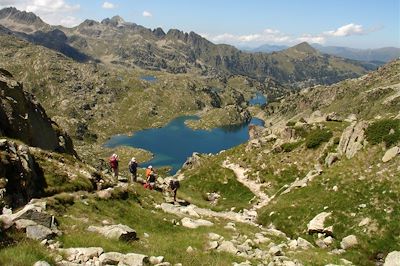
287	158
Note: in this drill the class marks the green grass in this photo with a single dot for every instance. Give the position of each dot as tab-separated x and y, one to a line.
385	130
26	252
137	211
212	177
291	212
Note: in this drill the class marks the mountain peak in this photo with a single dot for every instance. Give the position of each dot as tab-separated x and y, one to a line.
114	21
11	13
304	47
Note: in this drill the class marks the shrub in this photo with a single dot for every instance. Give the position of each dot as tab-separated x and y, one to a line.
316	137
386	130
290	123
288	147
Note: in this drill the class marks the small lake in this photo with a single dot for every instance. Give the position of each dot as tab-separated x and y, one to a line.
258	99
149	78
175	142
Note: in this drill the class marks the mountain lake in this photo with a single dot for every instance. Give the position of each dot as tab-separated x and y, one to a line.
172	144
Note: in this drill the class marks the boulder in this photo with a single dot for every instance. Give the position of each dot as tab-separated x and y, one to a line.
348	242
333	117
39	232
228	246
156	260
133	259
392	259
275	251
316	225
23	223
212	245
352	139
118	231
214	237
41	263
191	223
331	158
303	244
390	154
112	258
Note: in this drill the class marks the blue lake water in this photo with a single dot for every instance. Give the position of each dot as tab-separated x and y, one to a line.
149	78
259	99
175	142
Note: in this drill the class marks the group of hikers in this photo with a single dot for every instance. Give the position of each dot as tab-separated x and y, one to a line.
150	173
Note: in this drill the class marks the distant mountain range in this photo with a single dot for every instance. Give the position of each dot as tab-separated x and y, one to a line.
116	42
378	56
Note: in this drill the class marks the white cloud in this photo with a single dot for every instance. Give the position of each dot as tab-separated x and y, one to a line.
147	14
311	39
274	36
268	35
108	5
346	30
55	12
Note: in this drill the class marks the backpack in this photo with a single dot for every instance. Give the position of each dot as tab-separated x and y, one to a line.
174	184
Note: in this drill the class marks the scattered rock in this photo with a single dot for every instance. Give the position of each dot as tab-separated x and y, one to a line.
348	242
392	259
119	232
191	223
156	260
275	251
364	222
316	225
212	245
390	154
41	263
227	246
303	244
215	237
189	249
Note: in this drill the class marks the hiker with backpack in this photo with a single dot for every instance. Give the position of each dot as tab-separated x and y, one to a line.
151	178
113	161
174	185
133	169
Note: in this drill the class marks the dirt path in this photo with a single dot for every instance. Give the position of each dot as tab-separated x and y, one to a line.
256	188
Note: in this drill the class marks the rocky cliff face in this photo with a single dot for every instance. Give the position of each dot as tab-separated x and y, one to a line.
21	178
23	118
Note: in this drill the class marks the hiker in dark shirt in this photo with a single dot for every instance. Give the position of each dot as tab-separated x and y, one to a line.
133	169
174	185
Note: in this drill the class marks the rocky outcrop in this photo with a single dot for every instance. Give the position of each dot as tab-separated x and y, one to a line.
352	139
33	220
192	161
23	118
21	178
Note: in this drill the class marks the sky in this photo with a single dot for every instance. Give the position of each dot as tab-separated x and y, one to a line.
243	23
